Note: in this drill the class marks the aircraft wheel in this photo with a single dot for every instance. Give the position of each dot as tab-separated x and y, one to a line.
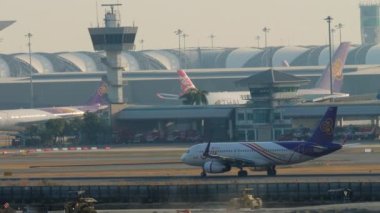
203	174
271	171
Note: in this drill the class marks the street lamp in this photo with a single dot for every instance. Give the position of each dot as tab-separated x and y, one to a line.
212	36
332	38
258	41
179	33
29	36
339	27
266	31
184	36
329	19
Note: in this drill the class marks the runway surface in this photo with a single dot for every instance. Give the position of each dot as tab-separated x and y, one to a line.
160	164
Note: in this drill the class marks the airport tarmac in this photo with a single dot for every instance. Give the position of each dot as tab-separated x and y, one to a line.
161	164
346	207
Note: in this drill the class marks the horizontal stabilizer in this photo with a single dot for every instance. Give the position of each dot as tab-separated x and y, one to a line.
167	96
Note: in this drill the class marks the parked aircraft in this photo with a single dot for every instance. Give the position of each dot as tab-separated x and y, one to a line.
320	92
17	119
221	157
230	97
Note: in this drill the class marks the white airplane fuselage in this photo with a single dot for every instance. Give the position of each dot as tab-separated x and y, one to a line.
261	154
17	119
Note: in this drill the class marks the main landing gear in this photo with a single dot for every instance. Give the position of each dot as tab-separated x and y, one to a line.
242	173
203	173
271	171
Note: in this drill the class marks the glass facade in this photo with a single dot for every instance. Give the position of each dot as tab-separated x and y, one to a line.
370	23
99	39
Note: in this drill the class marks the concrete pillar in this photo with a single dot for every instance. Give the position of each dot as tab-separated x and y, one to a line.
230	130
340	122
114	77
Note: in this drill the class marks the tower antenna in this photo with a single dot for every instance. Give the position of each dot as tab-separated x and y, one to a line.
97	14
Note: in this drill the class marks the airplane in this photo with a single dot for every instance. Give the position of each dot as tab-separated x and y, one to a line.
261	156
218	98
18	119
320	92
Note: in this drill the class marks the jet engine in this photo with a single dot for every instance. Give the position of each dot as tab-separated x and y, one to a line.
216	167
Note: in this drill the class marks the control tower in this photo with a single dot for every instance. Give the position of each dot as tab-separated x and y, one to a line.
113	38
370	22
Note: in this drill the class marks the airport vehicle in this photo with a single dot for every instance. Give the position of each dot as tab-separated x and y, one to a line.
320	92
18	119
221	157
81	204
246	200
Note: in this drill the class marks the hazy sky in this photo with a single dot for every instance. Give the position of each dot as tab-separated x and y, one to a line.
61	25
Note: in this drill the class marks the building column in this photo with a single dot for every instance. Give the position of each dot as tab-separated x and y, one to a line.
230	130
341	122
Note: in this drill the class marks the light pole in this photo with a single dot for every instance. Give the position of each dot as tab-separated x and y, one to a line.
142	44
339	27
212	36
184	36
258	41
329	19
332	38
29	36
266	31
179	33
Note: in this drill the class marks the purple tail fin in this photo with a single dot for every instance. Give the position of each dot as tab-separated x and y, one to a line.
338	62
324	133
100	95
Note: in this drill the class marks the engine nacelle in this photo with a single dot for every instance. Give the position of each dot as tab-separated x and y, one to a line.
216	167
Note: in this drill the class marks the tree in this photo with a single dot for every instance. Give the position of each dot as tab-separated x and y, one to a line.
55	127
94	128
195	97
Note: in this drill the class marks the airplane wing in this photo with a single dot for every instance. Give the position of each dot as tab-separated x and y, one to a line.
333	96
167	96
236	162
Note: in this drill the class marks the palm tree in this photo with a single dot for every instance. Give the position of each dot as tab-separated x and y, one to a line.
195	97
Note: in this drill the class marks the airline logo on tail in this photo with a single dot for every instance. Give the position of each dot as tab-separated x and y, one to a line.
325	129
100	95
338	61
327	126
102	90
185	81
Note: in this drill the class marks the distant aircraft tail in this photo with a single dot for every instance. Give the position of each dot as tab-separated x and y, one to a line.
185	81
100	95
324	132
338	62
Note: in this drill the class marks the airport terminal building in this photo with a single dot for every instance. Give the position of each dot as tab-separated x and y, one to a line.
17	65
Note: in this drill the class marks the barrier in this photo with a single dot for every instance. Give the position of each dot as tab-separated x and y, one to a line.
276	192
